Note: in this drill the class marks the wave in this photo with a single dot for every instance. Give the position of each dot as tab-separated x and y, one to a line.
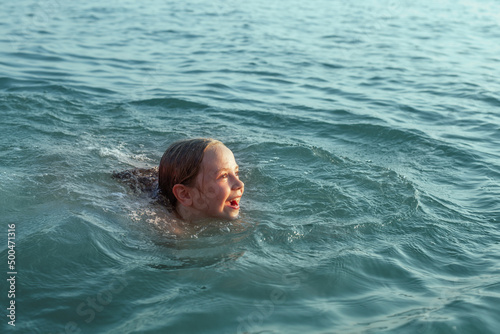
170	103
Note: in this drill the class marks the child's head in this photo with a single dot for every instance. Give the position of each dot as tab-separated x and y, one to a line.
200	179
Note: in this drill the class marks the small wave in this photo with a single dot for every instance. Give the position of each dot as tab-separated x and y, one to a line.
170	103
36	56
121	154
8	83
45	87
332	66
490	99
257	73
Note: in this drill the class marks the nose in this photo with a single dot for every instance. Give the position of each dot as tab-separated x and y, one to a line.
238	184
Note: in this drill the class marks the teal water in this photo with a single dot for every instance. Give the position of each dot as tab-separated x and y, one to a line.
368	137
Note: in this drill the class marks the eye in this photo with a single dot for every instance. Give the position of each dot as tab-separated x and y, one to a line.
224	176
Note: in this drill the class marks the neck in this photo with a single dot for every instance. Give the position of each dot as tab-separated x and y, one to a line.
187	214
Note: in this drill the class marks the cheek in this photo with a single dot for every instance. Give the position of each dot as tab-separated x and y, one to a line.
215	192
199	200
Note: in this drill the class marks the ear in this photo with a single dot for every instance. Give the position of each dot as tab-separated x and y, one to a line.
183	194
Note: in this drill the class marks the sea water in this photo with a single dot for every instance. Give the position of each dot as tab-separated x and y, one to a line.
367	133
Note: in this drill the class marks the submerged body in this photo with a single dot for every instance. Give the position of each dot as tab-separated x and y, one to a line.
197	180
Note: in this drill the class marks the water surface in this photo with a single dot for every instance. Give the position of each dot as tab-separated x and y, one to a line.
367	134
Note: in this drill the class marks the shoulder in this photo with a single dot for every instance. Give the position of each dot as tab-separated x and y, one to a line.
139	179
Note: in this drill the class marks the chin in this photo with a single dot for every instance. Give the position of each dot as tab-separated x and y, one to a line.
231	216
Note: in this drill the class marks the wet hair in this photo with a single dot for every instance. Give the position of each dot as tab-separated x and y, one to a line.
181	164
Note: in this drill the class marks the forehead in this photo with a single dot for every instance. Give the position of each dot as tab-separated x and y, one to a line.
217	157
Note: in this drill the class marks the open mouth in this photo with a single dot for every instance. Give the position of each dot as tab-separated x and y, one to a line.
233	204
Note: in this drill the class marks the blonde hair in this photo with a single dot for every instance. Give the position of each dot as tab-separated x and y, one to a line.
181	163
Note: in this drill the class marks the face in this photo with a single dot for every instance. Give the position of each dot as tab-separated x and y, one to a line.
218	184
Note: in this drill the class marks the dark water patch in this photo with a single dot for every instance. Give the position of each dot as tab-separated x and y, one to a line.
170	103
94	90
77	91
490	99
36	57
218	86
124	63
317	79
197	71
332	66
279	81
337	92
258	73
337	113
8	83
57	74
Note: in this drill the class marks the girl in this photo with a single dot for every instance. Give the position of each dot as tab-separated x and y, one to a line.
197	179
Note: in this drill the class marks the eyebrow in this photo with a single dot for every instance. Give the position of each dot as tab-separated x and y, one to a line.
218	171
